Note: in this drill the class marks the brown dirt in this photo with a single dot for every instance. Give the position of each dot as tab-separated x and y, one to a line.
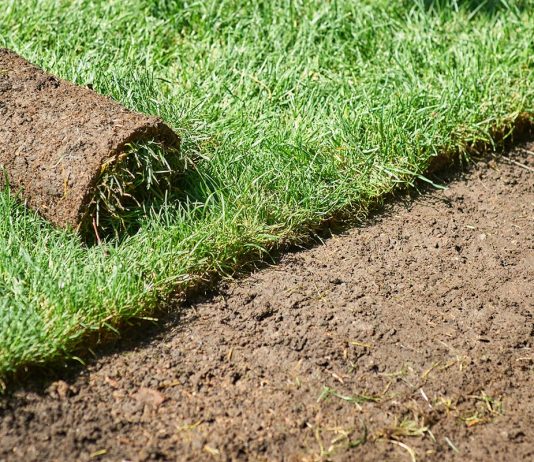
412	334
54	137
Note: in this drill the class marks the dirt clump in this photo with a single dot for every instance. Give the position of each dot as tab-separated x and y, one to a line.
410	337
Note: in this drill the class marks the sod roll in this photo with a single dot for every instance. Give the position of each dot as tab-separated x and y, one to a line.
57	139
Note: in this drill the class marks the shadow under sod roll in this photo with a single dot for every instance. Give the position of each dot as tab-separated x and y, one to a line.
74	155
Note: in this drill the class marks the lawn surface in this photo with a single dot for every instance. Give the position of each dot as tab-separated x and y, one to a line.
297	109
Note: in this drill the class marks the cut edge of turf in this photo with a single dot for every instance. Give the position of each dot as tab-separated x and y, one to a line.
499	138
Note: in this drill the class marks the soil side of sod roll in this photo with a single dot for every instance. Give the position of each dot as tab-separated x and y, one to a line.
55	137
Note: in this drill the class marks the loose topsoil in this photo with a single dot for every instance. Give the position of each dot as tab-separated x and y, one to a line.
55	136
411	336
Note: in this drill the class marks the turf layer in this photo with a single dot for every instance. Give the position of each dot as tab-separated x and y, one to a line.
298	110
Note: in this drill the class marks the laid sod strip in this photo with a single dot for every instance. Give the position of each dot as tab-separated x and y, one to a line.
299	111
78	158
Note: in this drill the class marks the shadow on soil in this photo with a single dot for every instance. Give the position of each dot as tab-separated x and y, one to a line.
136	334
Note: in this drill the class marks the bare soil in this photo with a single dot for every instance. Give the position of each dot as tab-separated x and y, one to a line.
55	136
411	337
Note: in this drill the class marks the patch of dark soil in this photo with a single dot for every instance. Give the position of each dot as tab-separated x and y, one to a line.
411	336
56	136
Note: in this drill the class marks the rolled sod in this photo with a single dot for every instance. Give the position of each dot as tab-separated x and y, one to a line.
80	159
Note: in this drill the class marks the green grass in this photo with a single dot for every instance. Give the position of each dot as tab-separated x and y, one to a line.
129	188
298	110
